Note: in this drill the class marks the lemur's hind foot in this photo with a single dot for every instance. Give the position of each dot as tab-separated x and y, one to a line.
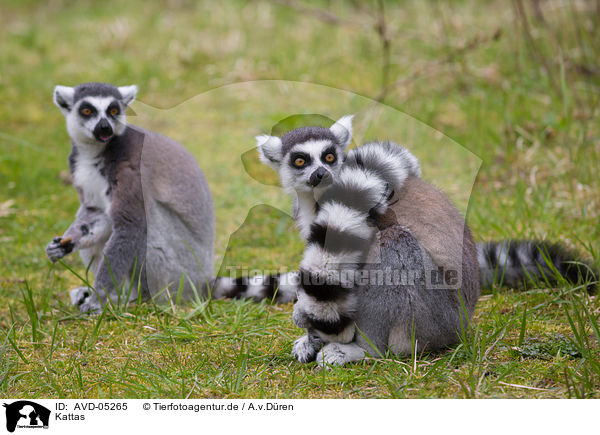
84	298
338	354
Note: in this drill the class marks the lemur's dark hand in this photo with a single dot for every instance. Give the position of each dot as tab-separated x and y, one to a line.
58	248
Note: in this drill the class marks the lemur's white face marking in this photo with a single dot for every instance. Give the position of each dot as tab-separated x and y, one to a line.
311	165
308	165
94	119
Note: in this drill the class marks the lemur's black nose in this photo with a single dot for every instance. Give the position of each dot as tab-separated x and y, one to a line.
103	131
317	176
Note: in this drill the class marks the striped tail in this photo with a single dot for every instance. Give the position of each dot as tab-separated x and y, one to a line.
519	263
342	234
280	288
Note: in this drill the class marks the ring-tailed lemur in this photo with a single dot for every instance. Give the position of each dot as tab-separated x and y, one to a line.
308	160
146	210
379	192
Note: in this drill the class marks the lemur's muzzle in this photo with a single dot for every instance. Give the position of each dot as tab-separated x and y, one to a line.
103	131
321	175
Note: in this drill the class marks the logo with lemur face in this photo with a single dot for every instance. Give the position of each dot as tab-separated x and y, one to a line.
24	414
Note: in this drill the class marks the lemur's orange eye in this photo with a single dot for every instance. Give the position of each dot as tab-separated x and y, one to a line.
329	158
86	111
114	111
299	161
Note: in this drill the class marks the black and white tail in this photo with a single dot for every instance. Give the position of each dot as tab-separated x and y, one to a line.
280	288
342	234
518	263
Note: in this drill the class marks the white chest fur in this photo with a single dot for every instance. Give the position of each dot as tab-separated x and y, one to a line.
304	213
89	181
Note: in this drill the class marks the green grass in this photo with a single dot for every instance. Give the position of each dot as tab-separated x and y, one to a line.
523	109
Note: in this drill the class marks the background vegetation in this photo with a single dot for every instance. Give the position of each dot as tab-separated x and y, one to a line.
515	83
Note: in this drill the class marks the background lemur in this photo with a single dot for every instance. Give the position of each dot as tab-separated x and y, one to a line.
146	210
431	234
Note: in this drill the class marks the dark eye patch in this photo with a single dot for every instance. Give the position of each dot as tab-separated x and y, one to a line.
87	110
113	109
328	151
295	156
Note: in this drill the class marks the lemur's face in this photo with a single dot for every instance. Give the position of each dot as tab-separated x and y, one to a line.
96	118
309	158
95	112
311	165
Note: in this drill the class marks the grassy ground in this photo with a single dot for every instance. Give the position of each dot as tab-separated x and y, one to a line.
519	96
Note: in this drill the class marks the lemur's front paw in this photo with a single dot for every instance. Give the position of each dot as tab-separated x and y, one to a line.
58	248
87	302
305	349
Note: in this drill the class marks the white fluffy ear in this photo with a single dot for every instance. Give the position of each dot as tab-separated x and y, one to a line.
63	98
342	130
128	93
269	150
